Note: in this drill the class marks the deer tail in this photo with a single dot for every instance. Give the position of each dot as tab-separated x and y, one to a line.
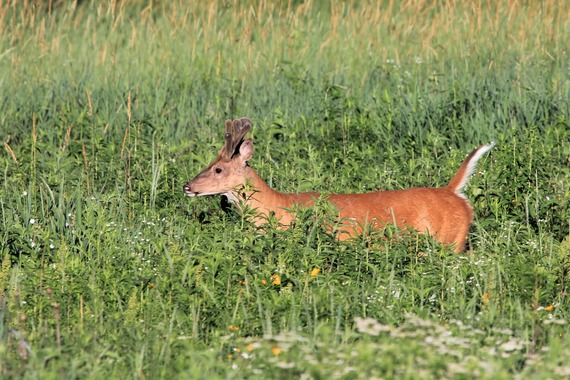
460	178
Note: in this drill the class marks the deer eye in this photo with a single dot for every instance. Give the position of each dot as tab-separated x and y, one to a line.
218	170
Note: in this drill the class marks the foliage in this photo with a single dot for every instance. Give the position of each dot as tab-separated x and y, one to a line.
108	108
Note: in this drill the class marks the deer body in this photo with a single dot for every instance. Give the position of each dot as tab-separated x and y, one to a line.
443	213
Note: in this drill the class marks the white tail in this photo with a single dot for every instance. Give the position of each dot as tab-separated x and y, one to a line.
444	213
461	178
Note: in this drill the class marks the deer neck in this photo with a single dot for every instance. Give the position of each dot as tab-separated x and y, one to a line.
258	196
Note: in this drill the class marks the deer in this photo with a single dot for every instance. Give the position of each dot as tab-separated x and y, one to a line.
443	213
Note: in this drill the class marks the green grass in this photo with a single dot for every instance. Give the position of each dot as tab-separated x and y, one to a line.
107	270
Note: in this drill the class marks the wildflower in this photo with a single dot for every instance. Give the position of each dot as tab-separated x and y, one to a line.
485	298
263	282
249	347
562	371
32	221
511	345
560	322
549	308
370	326
315	272
276	350
276	279
233	328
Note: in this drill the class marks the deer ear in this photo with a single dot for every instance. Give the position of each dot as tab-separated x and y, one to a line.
246	149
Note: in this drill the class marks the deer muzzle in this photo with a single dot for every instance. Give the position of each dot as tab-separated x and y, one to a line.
188	190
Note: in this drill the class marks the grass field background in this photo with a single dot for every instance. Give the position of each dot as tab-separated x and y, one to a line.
108	108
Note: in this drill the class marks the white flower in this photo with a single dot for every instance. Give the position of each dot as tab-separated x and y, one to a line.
370	326
511	345
32	221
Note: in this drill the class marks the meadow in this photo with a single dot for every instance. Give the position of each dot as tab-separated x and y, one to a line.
108	108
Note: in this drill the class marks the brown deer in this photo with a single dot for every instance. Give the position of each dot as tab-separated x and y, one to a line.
443	213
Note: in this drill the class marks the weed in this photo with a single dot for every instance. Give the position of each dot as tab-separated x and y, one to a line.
108	108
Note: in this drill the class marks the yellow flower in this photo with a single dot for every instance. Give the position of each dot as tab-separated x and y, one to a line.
276	350
233	328
230	356
485	298
276	279
263	282
249	347
549	308
315	272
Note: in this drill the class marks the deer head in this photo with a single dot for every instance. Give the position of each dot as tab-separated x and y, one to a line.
228	171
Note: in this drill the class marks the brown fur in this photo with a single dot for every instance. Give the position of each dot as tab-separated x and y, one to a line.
444	213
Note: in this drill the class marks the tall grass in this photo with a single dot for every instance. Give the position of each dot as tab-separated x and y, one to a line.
108	108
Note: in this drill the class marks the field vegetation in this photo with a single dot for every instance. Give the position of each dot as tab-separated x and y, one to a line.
108	107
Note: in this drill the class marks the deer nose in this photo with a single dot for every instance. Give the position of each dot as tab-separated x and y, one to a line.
188	190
